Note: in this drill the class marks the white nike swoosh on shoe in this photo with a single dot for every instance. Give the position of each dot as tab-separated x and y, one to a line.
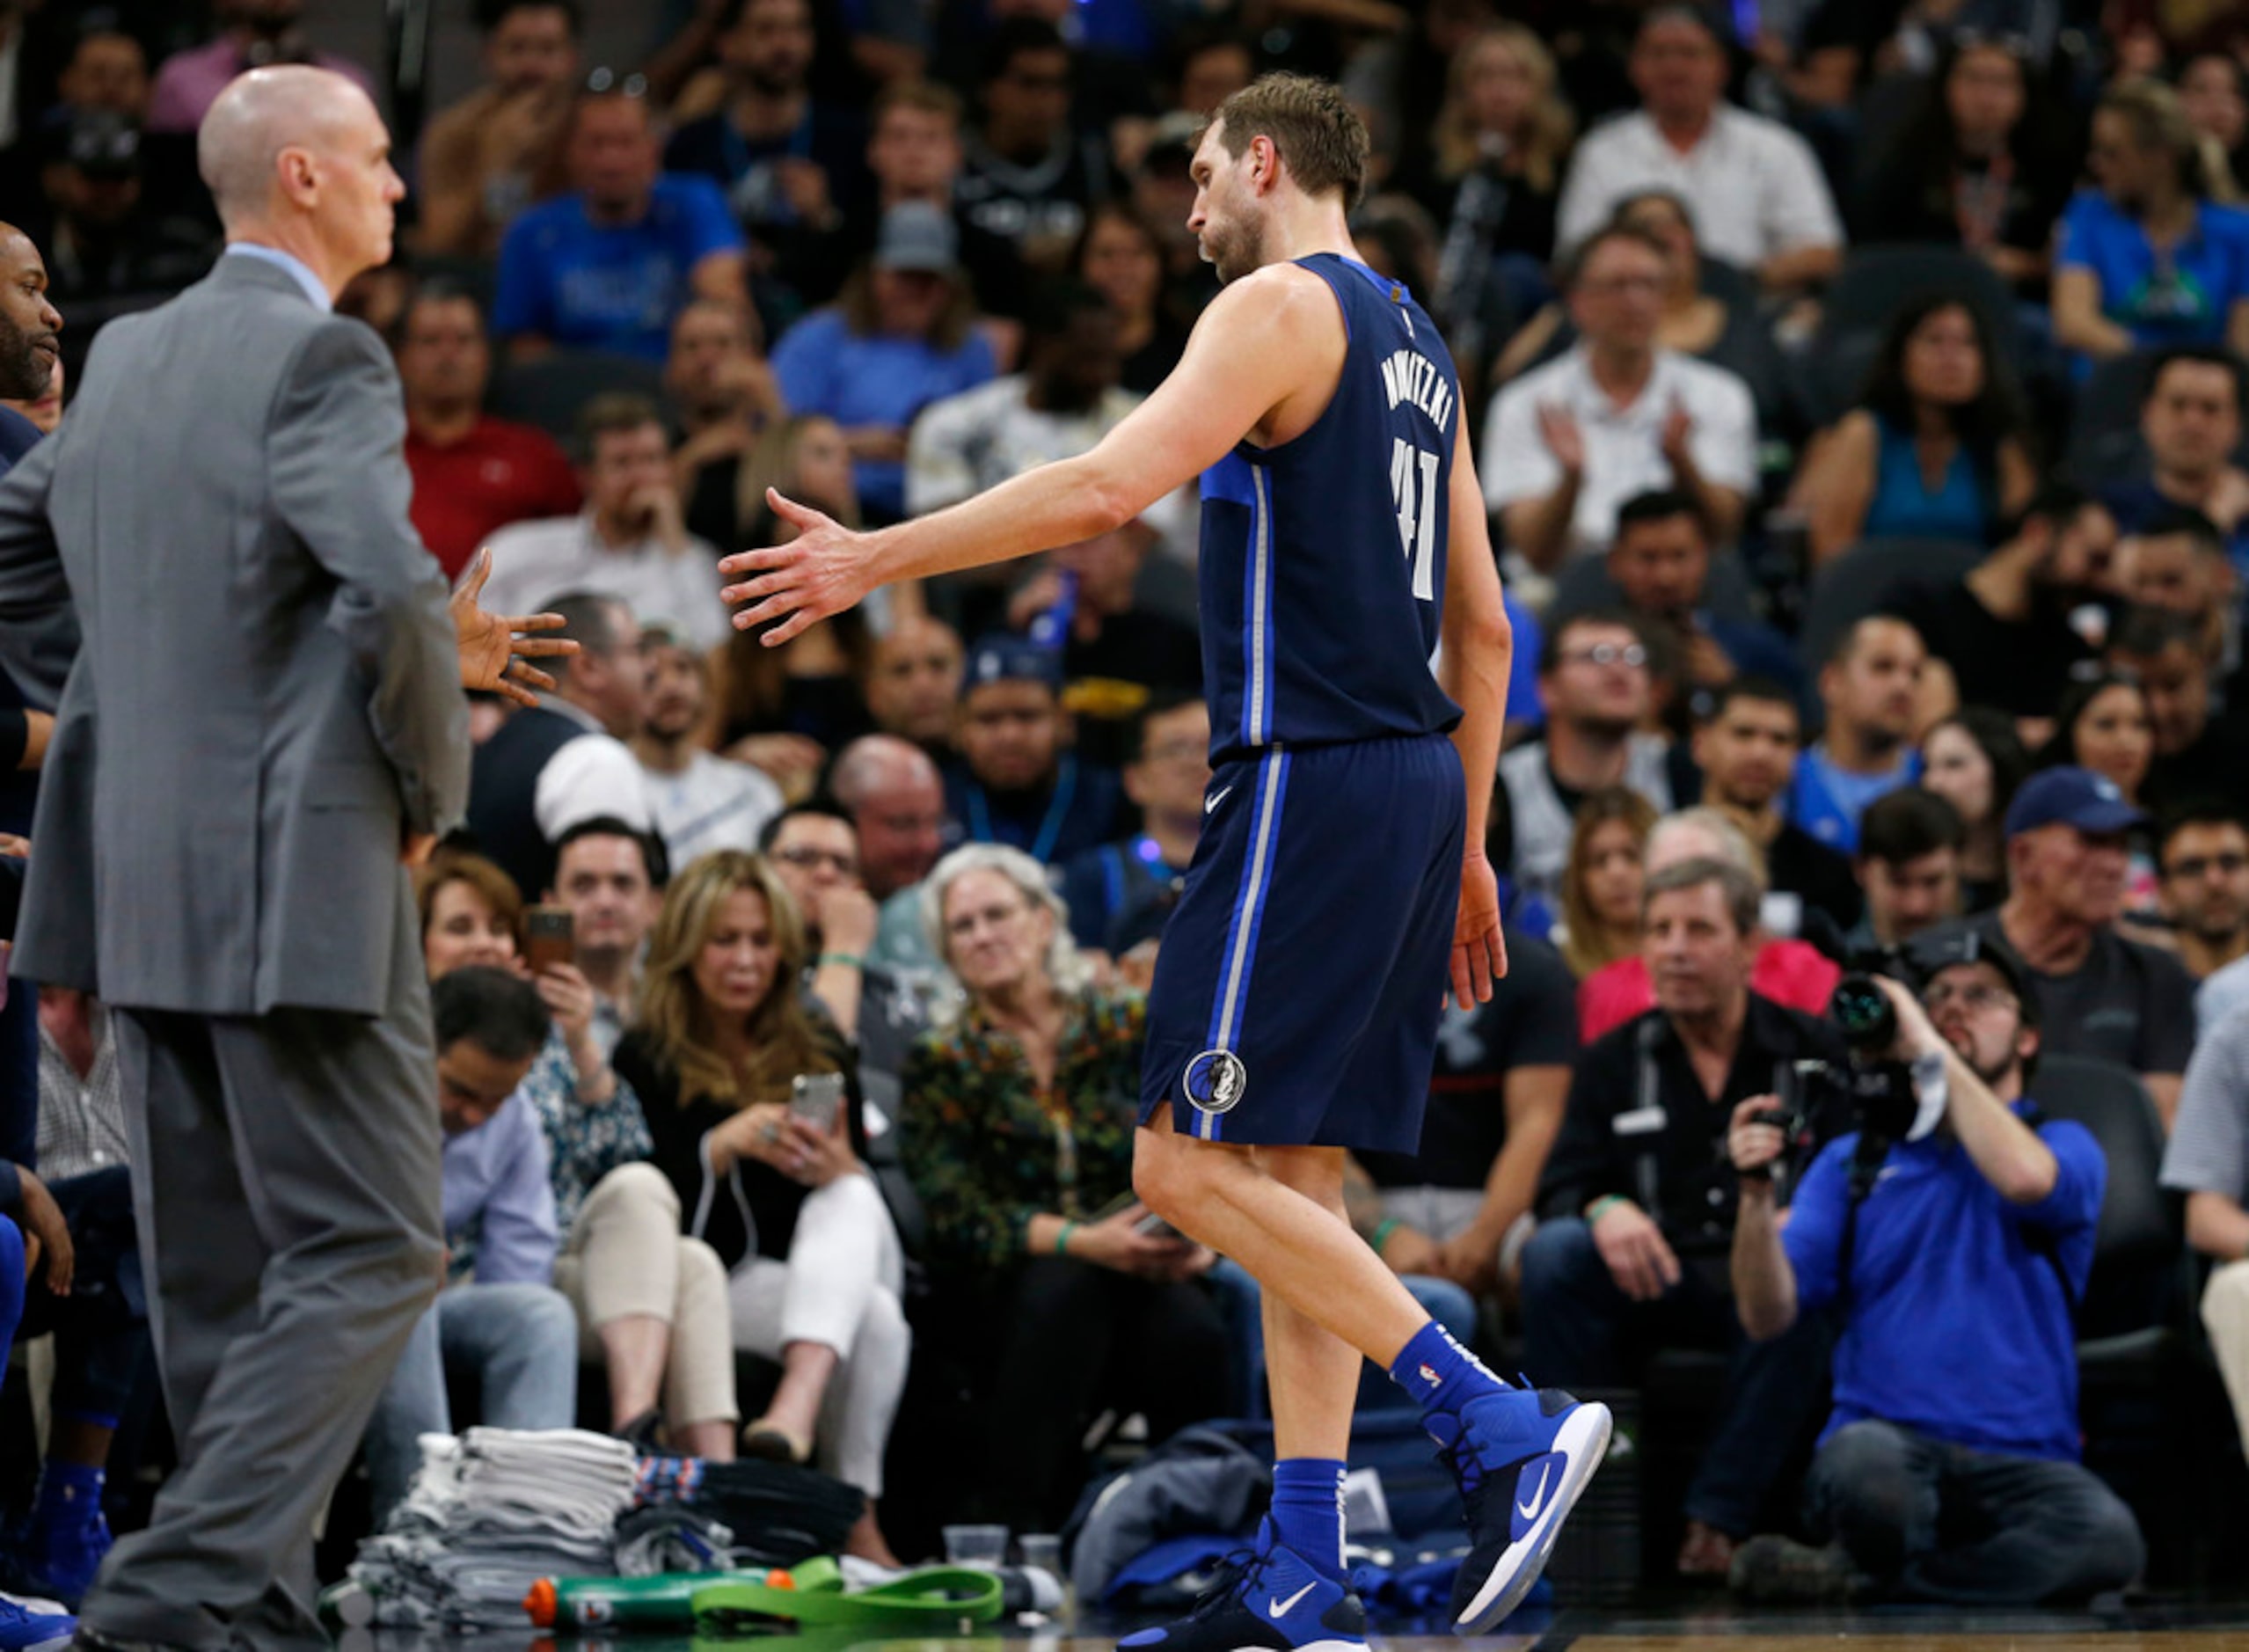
1529	1510
1279	1609
1581	1441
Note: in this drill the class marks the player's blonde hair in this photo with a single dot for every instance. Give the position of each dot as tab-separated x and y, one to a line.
1318	132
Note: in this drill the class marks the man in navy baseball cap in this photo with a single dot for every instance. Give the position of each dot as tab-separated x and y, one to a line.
2098	992
2077	798
1017	780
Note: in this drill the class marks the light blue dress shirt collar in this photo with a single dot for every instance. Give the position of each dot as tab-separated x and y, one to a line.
295	268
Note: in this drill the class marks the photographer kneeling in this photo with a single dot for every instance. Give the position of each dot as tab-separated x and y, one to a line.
1954	1242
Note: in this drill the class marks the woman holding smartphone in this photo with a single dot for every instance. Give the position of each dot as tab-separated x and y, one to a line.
1017	1129
772	1174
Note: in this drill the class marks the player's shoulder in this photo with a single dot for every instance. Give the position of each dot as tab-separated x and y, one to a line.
1284	295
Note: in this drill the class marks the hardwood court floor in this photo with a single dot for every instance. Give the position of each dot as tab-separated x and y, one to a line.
2167	1627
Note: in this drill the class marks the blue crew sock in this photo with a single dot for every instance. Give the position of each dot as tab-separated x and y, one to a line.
1308	1511
67	1492
1440	1374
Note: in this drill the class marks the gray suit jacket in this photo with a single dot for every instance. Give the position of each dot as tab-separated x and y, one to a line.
268	695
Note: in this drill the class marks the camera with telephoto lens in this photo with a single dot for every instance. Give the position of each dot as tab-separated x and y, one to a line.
1871	1089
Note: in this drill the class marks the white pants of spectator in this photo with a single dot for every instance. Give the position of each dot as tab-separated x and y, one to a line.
2225	1314
839	1288
626	1256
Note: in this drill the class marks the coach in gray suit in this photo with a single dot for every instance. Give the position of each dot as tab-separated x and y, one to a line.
264	717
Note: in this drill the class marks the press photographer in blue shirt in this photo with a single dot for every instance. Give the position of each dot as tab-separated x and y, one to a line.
1952	1258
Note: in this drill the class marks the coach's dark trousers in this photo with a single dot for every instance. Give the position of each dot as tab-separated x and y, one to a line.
286	1178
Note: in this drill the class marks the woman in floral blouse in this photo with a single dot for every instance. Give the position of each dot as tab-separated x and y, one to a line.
651	1302
1017	1130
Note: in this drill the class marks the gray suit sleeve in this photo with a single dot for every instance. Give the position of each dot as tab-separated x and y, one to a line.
336	463
38	629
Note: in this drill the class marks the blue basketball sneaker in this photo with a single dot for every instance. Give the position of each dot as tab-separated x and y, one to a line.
1273	1601
1521	1457
34	1625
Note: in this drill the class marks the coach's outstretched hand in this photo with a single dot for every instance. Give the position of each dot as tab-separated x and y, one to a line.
819	574
493	657
1479	949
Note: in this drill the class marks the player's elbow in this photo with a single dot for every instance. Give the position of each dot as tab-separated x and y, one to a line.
1105	504
1480	631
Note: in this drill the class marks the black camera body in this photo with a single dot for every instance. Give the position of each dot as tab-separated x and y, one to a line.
1874	1092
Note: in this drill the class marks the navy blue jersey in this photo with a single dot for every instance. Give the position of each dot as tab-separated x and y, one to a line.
1323	561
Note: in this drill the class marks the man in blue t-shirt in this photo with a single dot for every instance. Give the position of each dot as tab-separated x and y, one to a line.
1871	688
1953	1247
608	266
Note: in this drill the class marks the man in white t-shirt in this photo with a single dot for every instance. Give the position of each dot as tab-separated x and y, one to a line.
1754	187
1062	403
629	543
1568	443
701	802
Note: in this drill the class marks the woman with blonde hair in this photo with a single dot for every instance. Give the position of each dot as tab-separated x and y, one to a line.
2148	260
772	1174
787	710
1494	178
1601	879
1017	1131
647	1298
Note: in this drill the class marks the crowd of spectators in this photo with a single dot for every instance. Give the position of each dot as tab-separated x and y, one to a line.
1859	404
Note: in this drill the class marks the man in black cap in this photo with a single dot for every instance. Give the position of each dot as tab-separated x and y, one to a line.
108	236
1954	1239
2100	994
1017	781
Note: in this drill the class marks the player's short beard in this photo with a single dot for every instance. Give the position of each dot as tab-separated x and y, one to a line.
1237	250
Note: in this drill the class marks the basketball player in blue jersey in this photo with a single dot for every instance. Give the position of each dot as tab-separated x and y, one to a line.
1340	881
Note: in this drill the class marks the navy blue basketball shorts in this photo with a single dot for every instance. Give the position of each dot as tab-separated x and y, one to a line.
1302	975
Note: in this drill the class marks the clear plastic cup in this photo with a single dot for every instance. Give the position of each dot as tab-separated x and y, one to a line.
1043	1550
984	1547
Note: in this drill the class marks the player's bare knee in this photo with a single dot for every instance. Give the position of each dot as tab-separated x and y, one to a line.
1164	1174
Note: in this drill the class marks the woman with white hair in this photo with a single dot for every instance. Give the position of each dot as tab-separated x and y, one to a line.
1067	1297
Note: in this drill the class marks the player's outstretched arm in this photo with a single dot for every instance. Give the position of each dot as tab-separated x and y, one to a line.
1478	649
1248	354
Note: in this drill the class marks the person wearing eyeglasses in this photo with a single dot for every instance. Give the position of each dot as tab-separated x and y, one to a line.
1953	1255
2202	860
820	857
1593	678
1568	443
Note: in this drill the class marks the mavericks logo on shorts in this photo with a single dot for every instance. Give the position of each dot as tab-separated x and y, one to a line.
1215	1080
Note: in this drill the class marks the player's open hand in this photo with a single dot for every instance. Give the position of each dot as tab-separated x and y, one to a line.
493	657
821	572
1479	950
